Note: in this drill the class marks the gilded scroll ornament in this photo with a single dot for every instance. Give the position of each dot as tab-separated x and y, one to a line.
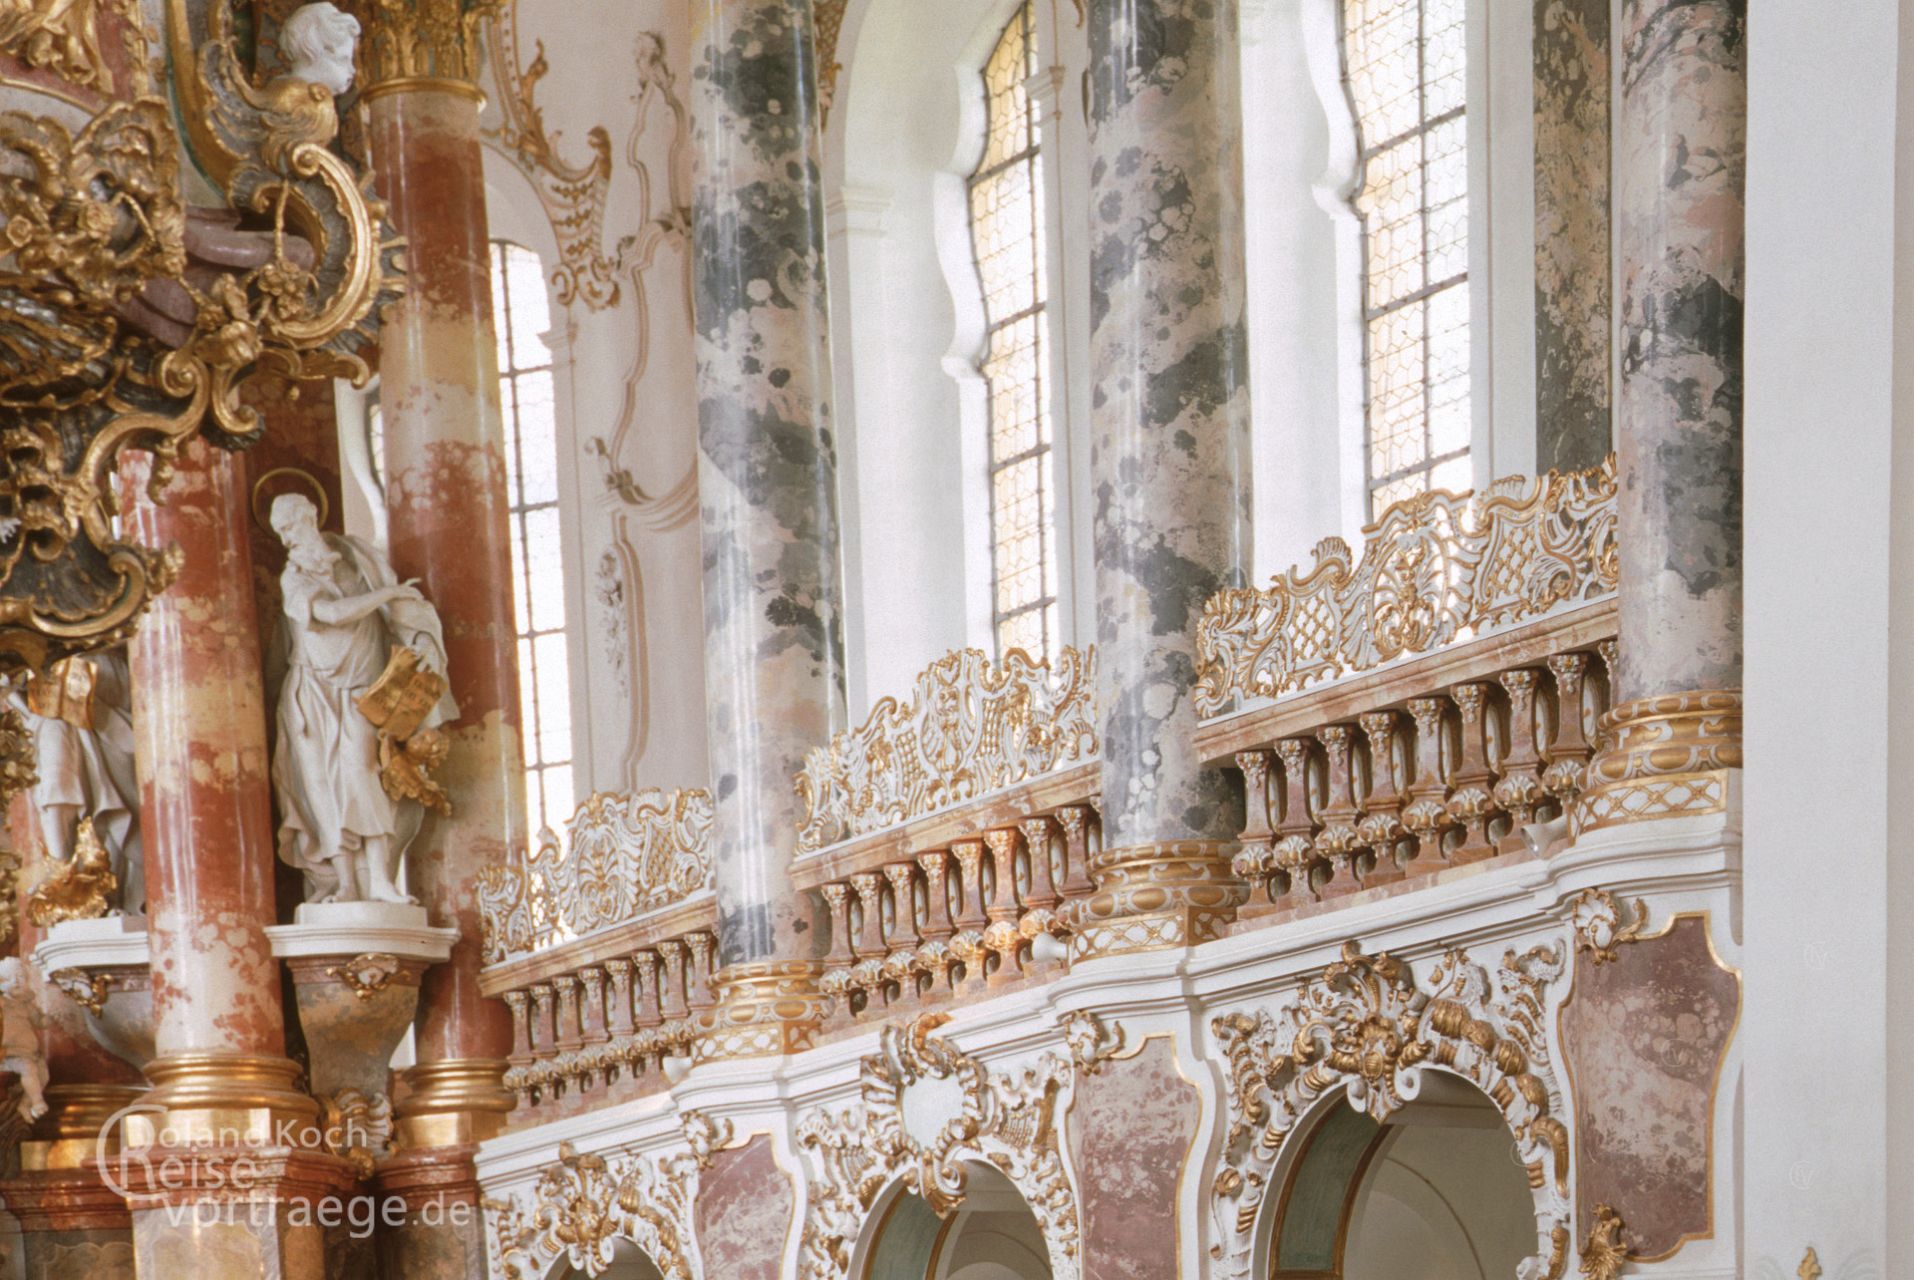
1604	1252
1008	1121
624	855
971	727
367	975
1436	567
1368	1028
1603	923
88	990
358	1128
108	341
63	37
585	1203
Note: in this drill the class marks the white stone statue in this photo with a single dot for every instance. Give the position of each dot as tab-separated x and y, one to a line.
20	1050
318	40
344	617
81	714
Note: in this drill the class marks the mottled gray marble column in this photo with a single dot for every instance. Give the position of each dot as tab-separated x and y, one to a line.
1573	355
1170	397
1680	167
767	470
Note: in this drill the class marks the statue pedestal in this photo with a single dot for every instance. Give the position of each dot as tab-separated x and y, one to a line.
355	972
102	965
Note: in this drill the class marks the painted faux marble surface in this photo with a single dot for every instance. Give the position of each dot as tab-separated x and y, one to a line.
743	1214
1644	1037
1681	163
1170	400
1130	1133
448	519
200	721
1572	264
767	472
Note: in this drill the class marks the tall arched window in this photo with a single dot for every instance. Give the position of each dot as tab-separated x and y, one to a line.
531	463
1007	237
1405	70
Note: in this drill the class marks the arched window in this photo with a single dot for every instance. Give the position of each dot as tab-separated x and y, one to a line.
1007	224
1404	67
522	316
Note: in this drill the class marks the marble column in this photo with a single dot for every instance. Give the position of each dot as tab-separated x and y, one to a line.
1681	150
1573	353
767	479
225	1105
448	526
1169	427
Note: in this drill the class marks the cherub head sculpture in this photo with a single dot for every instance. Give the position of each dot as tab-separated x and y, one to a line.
318	40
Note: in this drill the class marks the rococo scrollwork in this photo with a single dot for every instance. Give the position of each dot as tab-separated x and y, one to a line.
585	1203
623	856
130	320
971	726
1435	568
1366	1028
1008	1121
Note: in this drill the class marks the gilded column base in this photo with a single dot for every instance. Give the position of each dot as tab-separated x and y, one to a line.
1662	757
1173	893
454	1103
70	1132
764	1009
223	1100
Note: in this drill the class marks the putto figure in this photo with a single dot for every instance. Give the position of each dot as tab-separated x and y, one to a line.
20	1050
354	639
318	41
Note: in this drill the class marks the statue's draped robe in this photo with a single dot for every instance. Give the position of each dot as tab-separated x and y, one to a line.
92	771
325	766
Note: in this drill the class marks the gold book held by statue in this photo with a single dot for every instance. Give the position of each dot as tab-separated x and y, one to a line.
403	695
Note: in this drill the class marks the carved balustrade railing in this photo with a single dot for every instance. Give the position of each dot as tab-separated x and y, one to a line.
949	834
1418	708
604	946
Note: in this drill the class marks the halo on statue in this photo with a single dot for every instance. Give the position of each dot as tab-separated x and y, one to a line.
311	485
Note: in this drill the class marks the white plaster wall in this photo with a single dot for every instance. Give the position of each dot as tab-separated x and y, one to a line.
625	379
904	134
1305	264
1824	989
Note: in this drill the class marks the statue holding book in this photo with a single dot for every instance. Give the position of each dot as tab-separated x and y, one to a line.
359	710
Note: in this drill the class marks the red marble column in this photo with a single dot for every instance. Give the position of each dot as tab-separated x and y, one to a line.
225	1098
449	528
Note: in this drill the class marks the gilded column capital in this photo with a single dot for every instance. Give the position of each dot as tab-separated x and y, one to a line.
418	44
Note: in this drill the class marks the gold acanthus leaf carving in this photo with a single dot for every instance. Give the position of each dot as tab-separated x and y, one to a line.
1604	1252
581	1206
63	37
624	855
1435	568
972	726
1366	1026
82	889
